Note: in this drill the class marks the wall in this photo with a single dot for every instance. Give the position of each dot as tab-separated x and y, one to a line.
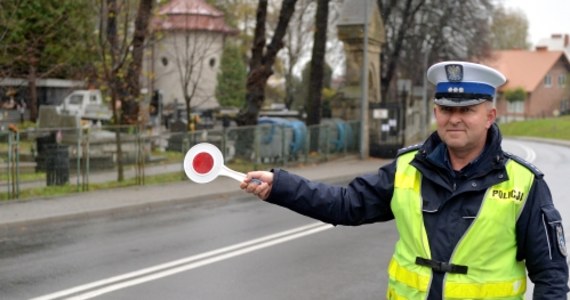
171	51
544	101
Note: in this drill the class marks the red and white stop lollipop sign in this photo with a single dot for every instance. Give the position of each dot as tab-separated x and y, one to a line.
204	162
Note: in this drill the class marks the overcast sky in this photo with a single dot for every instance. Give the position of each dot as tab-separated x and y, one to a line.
545	17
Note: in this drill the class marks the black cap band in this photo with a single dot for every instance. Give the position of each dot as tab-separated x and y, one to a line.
465	96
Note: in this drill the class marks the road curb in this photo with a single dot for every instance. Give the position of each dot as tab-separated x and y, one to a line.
123	210
131	210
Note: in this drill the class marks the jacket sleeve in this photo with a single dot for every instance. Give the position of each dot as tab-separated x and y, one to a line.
366	199
541	242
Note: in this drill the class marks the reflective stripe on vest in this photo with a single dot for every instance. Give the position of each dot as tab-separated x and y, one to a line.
488	247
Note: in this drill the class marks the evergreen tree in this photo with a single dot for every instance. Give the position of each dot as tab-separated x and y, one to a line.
231	78
42	39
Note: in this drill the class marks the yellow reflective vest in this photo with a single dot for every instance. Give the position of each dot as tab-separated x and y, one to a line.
487	250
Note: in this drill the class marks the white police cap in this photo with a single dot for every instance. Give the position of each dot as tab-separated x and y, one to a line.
461	83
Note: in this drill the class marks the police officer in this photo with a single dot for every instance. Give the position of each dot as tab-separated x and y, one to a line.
471	217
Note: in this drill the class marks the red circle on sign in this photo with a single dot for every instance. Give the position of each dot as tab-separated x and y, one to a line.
203	163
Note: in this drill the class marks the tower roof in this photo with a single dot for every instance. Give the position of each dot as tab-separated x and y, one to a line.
190	15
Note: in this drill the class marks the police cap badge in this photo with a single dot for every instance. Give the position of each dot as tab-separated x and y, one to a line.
454	72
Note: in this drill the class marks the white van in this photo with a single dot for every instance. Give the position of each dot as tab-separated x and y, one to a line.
86	104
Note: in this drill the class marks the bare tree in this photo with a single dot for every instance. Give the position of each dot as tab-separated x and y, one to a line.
192	52
509	29
239	14
399	18
297	42
121	56
192	35
299	46
262	59
445	29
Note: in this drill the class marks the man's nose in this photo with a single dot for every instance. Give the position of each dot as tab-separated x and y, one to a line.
455	116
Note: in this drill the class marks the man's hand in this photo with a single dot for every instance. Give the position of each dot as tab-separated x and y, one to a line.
261	190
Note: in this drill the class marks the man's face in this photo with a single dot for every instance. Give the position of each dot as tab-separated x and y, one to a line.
464	128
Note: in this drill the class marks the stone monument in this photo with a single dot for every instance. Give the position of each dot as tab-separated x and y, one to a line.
361	29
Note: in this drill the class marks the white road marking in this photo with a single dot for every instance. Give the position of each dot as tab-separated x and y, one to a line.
530	154
108	285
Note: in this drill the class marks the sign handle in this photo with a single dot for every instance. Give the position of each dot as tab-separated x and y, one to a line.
239	176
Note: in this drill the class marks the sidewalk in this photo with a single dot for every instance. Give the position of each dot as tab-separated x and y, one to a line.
14	214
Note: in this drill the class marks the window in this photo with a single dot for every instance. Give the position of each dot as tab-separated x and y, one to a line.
516	107
565	107
76	99
548	81
212	62
164	61
562	80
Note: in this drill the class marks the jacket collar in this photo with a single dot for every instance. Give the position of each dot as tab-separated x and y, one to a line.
434	152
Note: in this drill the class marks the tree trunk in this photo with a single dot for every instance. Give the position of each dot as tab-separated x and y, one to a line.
113	80
33	61
118	141
32	77
317	64
261	63
134	69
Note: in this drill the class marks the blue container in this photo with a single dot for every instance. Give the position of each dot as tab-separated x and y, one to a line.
341	135
295	136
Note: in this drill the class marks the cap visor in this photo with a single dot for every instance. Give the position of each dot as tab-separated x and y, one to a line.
458	102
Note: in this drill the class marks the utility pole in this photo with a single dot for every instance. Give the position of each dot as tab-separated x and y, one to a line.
364	136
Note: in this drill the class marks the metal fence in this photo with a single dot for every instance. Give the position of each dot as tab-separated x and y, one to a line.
37	162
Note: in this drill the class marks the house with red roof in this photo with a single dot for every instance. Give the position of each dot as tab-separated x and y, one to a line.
541	74
185	53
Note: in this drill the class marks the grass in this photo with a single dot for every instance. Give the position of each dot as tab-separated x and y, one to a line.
53	191
71	188
549	128
24	176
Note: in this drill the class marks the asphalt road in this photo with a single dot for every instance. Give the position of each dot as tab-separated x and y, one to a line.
223	248
204	242
554	162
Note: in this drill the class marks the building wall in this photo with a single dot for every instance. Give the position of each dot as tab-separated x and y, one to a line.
198	54
545	101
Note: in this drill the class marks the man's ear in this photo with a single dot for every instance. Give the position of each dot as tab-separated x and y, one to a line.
491	116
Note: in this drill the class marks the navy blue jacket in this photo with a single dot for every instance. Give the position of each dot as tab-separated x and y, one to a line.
450	201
